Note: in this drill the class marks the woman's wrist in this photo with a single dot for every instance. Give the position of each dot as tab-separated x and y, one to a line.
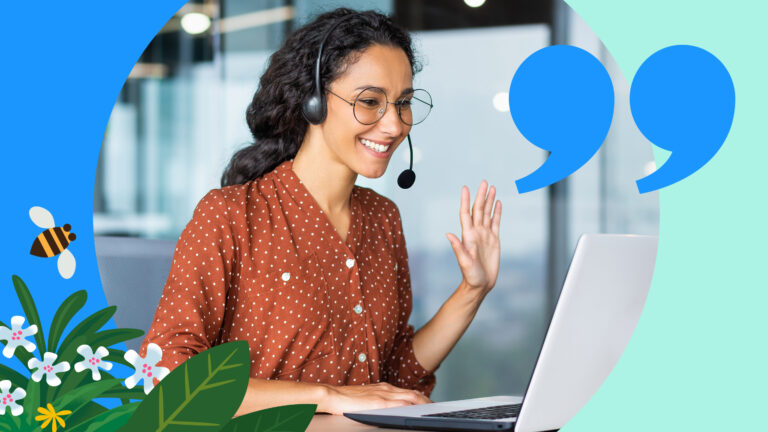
324	397
467	297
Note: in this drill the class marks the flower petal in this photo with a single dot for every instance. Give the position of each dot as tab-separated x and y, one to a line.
132	357
85	351
29	346
38	375
9	349
132	380
52	380
34	363
49	358
161	372
148	385
29	331
61	367
17	321
154	354
19	393
101	352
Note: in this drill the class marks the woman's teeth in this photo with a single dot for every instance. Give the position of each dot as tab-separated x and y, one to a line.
375	147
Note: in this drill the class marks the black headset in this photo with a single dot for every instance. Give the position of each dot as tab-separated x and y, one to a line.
315	109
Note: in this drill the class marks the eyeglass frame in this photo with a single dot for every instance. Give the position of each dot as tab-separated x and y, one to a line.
397	104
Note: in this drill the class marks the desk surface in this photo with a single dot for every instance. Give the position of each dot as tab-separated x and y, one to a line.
335	423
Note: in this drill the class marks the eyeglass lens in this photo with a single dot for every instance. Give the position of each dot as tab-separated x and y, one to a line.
371	104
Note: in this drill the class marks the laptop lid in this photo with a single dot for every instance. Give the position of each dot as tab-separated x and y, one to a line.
599	306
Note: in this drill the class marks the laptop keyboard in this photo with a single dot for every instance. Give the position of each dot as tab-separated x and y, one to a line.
485	413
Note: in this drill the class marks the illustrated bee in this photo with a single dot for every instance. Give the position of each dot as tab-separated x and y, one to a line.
53	241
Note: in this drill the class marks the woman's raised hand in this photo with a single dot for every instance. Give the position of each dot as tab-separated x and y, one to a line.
478	252
343	399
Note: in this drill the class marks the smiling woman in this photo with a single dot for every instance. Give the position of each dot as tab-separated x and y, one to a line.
309	268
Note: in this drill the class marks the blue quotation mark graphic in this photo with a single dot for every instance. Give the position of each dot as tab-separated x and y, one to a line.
561	99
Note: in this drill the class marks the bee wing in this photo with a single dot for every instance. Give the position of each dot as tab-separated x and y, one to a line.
66	264
41	217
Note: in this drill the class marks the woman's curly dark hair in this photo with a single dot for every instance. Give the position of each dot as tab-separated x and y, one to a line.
274	116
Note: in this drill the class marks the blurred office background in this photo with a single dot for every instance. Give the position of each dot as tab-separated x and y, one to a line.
181	115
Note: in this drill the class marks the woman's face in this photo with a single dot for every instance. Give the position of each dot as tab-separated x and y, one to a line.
379	66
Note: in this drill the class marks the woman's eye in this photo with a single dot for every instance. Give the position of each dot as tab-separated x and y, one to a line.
369	102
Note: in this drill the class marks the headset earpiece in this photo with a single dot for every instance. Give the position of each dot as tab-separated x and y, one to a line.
314	109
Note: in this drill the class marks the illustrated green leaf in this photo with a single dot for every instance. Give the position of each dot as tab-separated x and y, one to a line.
30	310
64	315
31	402
108	421
20	353
87	412
79	397
289	418
113	336
14	377
75	380
82	331
125	393
117	356
202	394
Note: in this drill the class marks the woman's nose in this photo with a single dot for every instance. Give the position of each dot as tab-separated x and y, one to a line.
390	122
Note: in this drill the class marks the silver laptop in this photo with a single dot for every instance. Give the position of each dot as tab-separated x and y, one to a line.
600	303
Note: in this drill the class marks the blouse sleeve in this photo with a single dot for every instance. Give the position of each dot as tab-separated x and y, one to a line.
189	316
402	369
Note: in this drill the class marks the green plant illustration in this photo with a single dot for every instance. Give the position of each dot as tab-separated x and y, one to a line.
76	391
278	419
201	394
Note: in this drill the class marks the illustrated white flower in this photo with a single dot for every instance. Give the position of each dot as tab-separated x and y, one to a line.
47	368
8	400
16	336
93	361
146	367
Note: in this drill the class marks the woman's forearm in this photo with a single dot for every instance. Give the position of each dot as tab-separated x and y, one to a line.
433	342
262	394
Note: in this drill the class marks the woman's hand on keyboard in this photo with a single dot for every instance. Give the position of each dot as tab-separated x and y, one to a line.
343	399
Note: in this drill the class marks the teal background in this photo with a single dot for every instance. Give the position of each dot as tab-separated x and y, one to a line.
698	358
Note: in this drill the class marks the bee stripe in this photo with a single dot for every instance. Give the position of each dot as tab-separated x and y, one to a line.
44	244
62	238
52	242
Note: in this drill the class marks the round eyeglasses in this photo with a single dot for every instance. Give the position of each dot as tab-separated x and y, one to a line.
370	105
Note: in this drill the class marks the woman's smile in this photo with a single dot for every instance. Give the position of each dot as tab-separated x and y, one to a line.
378	149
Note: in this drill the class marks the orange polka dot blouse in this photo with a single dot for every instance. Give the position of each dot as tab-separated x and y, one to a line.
261	262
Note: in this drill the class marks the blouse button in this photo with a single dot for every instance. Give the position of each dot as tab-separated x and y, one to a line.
362	357
395	266
350	262
358	309
286	276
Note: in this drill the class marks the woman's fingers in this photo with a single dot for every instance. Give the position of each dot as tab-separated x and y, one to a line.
496	219
458	248
488	207
477	208
464	216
